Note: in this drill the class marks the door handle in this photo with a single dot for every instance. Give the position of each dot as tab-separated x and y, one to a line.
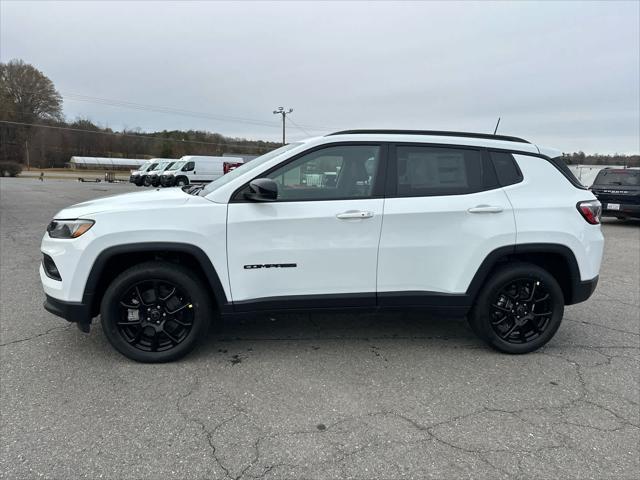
485	209
351	214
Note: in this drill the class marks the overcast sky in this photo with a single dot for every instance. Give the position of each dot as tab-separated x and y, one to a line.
565	75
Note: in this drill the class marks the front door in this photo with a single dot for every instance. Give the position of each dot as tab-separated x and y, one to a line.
317	244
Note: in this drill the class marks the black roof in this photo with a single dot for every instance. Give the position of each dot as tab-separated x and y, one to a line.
438	133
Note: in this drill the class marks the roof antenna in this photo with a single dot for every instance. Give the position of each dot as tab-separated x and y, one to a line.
496	129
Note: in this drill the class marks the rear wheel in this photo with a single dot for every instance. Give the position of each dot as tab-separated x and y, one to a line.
155	312
519	309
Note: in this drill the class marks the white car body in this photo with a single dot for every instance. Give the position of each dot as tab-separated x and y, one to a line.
389	251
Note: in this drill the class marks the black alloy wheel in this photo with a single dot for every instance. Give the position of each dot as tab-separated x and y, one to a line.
156	312
155	315
519	309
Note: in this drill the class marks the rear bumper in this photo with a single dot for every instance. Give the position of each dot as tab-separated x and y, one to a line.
75	312
582	291
625	210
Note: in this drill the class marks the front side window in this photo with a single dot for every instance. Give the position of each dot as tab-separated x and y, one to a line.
427	171
338	172
189	166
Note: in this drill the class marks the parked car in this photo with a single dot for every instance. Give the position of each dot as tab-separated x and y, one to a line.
198	169
488	226
153	177
137	176
618	189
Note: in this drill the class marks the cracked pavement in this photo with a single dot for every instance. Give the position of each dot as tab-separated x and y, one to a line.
314	396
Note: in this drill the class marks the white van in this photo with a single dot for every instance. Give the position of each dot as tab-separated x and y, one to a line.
198	169
138	176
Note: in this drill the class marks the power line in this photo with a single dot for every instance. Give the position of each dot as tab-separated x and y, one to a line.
300	128
147	137
175	110
181	111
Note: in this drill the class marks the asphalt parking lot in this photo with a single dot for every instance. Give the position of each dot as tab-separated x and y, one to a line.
314	396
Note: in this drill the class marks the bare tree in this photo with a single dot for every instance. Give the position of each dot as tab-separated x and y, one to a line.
27	94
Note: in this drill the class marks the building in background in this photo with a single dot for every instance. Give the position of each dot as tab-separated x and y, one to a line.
105	163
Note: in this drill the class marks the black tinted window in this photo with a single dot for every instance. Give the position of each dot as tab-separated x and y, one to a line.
189	166
506	168
424	171
618	177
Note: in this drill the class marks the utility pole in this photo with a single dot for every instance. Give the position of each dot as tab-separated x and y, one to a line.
284	113
26	150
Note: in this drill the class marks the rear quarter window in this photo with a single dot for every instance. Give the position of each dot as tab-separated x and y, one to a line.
506	167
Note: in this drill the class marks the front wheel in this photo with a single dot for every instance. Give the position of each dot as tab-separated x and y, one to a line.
519	309
181	182
155	312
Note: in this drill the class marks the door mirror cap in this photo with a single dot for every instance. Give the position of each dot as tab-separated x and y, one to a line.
262	190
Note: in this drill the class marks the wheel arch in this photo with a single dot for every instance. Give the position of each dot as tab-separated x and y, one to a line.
114	260
558	260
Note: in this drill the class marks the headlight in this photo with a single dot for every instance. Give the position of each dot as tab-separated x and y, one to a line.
68	228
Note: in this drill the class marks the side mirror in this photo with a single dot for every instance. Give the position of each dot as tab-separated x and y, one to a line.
262	190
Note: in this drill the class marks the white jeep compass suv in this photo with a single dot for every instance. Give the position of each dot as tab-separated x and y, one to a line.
488	226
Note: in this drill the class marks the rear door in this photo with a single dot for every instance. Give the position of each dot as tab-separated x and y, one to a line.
317	244
444	213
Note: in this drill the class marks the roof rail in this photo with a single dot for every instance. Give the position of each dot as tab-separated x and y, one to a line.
438	133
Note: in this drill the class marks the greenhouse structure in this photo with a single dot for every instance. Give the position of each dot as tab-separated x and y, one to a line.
105	163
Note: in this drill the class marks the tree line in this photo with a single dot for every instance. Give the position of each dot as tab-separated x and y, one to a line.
28	97
581	158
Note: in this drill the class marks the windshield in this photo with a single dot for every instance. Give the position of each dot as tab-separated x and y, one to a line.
245	167
145	167
629	178
152	167
163	165
176	166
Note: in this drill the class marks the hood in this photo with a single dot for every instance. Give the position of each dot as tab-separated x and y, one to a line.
167	197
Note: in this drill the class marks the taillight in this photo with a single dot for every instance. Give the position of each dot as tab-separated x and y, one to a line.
228	166
590	210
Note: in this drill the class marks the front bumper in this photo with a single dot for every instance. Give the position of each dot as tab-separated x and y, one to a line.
623	210
75	312
167	180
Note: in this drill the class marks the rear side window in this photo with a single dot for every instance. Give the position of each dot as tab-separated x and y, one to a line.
506	168
429	171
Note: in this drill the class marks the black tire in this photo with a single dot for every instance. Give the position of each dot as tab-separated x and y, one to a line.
505	318
188	326
181	182
147	181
